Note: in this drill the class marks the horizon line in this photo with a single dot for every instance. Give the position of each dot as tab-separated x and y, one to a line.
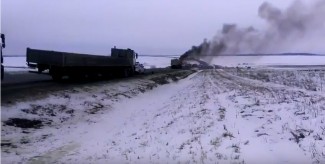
260	54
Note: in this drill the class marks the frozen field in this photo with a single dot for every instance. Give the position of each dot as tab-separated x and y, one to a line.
212	116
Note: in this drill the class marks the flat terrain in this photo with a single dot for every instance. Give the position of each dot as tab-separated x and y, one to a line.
211	116
23	85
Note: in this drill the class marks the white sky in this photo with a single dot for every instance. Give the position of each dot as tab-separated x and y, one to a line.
168	27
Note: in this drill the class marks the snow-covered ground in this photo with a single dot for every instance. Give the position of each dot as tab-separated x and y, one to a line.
304	78
268	60
212	116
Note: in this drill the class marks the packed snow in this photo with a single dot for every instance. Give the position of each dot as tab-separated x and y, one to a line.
211	116
268	60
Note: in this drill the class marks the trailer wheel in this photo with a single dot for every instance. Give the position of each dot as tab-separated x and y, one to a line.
76	76
57	77
56	73
2	72
41	68
132	72
126	73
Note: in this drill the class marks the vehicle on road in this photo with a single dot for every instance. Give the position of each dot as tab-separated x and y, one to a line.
139	68
3	45
176	64
74	65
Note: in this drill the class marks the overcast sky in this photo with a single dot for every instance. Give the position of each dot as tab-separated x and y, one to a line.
168	27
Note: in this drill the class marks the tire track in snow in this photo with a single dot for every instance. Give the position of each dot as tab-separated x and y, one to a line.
278	111
212	116
209	117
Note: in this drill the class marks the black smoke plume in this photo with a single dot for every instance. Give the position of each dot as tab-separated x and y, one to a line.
298	29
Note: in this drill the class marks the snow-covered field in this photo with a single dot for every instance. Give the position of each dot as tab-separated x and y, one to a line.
212	116
304	78
268	60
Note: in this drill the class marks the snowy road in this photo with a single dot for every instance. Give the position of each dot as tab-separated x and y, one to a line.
211	116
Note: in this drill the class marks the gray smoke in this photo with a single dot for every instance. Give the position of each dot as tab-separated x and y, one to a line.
299	28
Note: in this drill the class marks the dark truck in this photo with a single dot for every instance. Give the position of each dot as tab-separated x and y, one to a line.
3	45
59	64
176	64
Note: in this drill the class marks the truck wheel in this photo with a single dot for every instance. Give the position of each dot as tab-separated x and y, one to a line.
126	73
57	77
56	73
131	72
41	68
76	76
2	72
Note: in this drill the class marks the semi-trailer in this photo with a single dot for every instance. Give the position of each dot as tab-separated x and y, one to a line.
76	65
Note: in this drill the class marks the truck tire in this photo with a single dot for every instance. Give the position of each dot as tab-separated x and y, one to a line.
131	72
126	73
56	77
56	74
76	77
41	68
2	72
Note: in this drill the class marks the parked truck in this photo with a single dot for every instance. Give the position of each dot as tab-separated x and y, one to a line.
176	64
74	65
3	45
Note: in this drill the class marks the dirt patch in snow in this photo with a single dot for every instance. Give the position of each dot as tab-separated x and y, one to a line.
48	109
211	117
79	101
171	77
25	123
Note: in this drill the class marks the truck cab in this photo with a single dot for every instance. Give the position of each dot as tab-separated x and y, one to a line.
124	53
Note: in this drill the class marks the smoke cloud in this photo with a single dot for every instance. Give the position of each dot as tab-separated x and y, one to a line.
299	28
